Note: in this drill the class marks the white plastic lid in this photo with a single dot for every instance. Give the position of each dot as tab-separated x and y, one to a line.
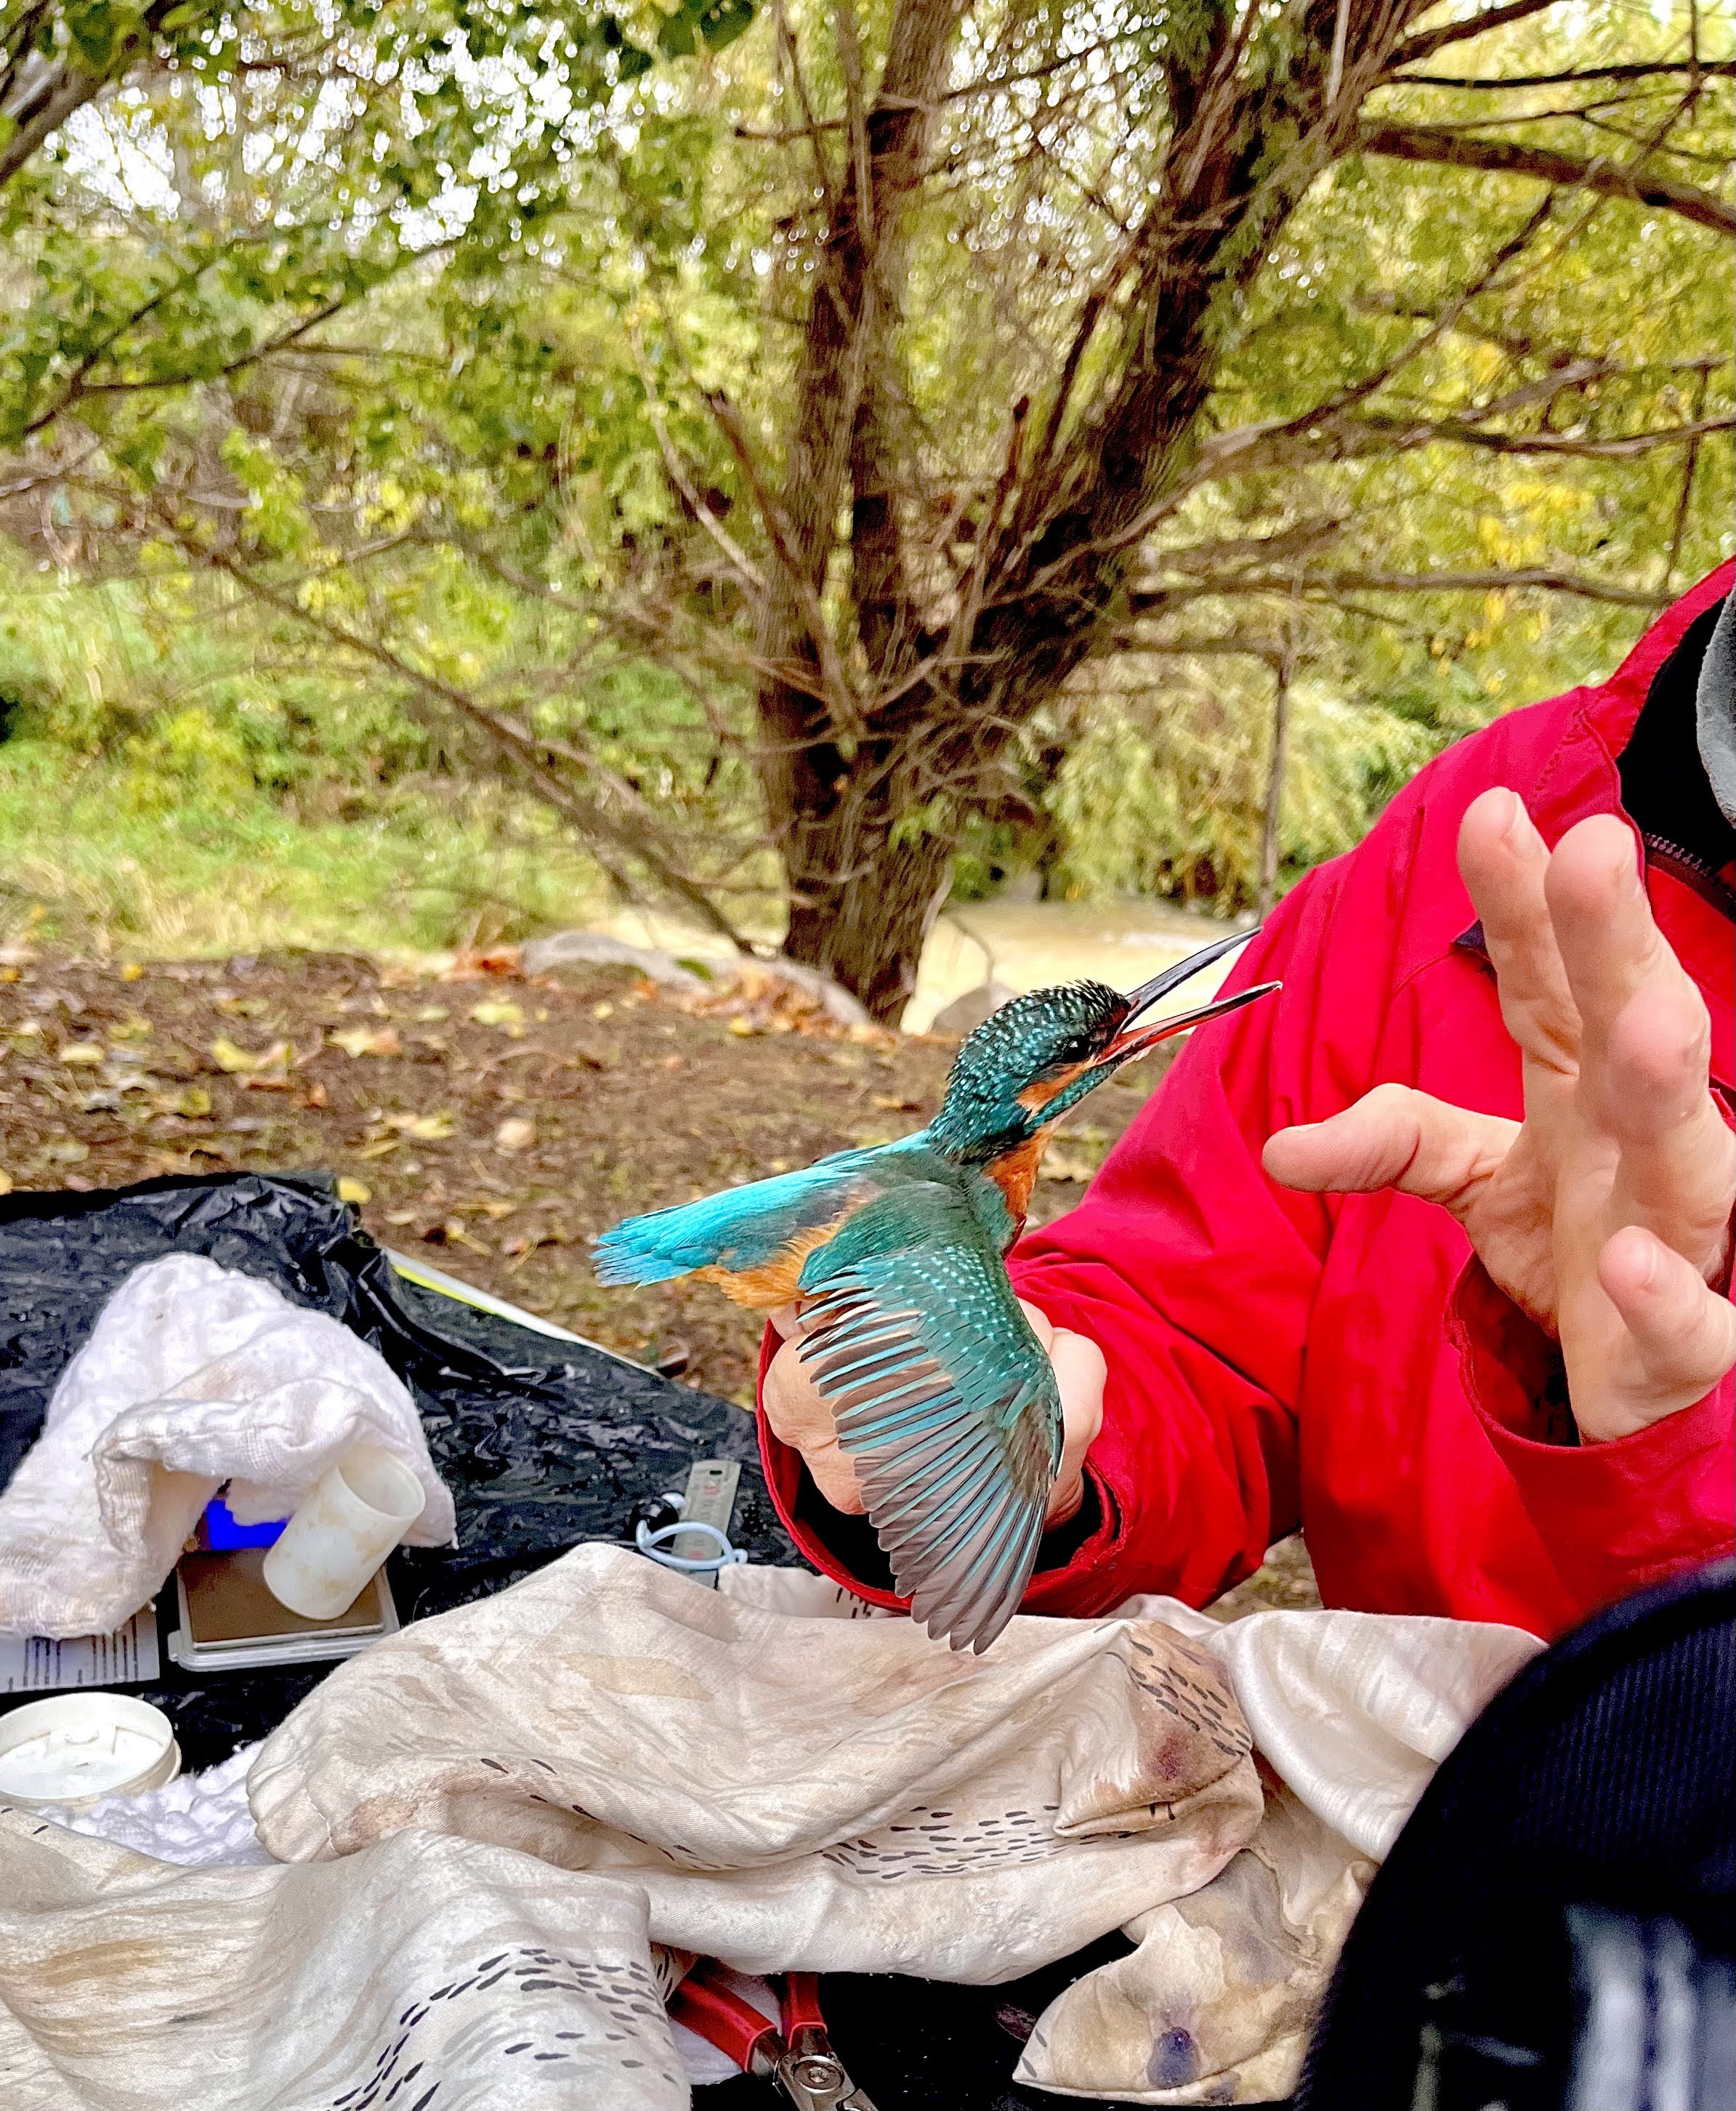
78	1747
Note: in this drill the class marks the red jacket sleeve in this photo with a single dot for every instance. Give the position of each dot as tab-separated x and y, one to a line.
1195	1274
1613	1517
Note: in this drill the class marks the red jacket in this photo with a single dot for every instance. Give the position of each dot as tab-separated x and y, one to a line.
1340	1362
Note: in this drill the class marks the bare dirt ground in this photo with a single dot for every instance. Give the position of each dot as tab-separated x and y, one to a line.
491	1124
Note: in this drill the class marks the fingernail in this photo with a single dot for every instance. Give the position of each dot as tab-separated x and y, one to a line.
1513	816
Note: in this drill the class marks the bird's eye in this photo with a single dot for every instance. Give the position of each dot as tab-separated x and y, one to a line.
1075	1049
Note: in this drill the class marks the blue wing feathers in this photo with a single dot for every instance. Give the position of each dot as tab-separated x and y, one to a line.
739	1227
944	1401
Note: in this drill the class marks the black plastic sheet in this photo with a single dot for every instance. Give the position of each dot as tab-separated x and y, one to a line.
539	1453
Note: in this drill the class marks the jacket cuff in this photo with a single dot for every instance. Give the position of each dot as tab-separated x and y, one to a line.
1615	1517
845	1549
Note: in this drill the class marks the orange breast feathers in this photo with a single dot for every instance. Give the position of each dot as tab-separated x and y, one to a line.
776	1282
1016	1174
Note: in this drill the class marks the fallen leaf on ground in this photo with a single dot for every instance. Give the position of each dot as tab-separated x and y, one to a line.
240	1061
66	1150
5	1182
89	1054
893	1104
500	1011
194	1100
515	1135
380	1147
426	1129
359	1040
351	1190
131	971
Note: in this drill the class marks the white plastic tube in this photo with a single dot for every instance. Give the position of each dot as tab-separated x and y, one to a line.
358	1512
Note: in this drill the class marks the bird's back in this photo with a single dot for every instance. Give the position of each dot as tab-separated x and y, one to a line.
753	1241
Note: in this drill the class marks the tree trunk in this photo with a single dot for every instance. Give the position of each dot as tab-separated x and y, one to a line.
867	931
862	893
862	783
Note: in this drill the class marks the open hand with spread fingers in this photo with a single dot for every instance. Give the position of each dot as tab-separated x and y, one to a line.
1606	1213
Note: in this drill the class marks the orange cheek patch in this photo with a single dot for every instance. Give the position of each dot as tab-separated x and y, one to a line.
1037	1095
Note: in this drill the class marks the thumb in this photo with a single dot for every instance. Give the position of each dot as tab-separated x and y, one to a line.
1081	1374
1393	1136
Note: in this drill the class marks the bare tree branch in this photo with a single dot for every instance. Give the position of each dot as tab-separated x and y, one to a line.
1541	578
1547	165
1721	69
528	749
1425	42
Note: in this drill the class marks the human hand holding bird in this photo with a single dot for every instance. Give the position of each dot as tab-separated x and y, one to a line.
943	1399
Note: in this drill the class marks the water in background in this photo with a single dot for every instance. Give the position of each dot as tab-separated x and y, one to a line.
1023	944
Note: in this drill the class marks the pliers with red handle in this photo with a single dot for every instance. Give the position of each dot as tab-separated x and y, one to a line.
798	2057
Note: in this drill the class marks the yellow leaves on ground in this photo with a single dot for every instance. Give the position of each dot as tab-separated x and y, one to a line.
192	1102
425	1128
242	1062
359	1040
84	1054
1058	1166
500	1011
351	1190
5	1182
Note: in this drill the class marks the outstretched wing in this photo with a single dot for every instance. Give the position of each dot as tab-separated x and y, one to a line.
740	1231
945	1403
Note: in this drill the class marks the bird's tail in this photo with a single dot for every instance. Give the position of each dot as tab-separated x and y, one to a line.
737	1230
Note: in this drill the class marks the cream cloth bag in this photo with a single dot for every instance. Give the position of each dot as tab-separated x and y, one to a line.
432	1973
791	1792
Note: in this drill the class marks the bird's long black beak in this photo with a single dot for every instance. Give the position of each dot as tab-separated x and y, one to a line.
1134	1039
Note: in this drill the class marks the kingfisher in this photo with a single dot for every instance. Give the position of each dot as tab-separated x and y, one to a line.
944	1400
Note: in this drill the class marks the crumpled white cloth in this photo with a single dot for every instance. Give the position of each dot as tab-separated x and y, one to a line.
793	1793
428	1972
495	1728
193	1375
1354	1711
1351	1714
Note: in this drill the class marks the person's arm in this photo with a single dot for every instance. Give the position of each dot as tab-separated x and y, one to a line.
1595	1330
1192	1272
1614	1516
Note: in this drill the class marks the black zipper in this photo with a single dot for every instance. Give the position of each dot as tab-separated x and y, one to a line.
1698	872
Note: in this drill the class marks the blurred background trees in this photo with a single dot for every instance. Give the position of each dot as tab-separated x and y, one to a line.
463	463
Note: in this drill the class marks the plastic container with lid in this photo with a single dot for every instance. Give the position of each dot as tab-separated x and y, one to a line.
66	1753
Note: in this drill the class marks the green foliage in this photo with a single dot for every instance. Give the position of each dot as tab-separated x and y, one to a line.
374	392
